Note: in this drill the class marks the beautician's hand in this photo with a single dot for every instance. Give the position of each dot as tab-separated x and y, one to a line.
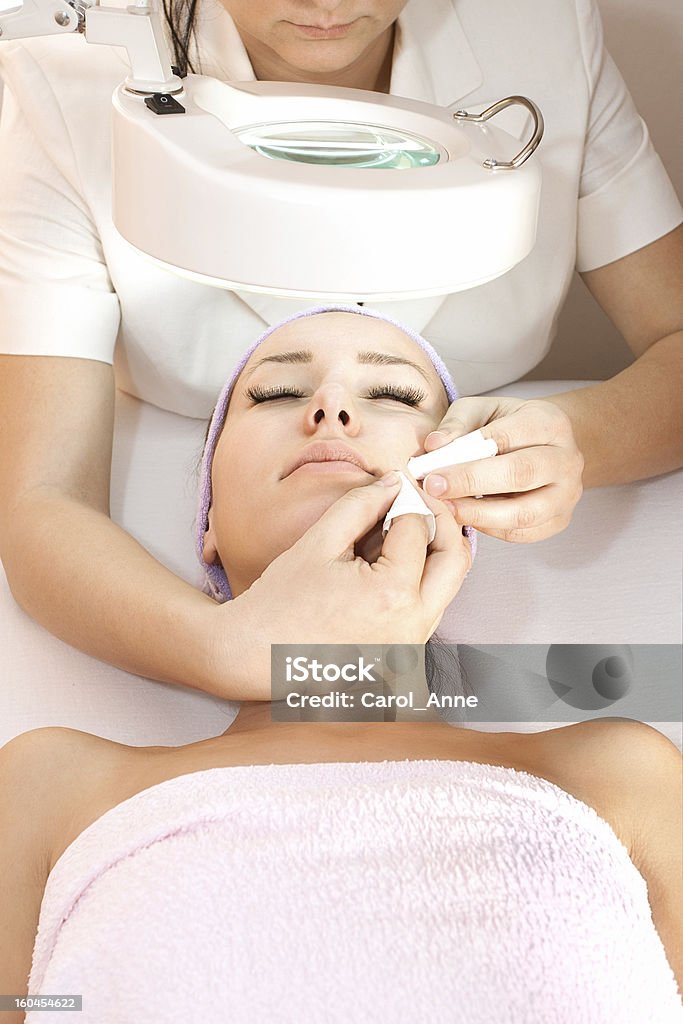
320	592
530	489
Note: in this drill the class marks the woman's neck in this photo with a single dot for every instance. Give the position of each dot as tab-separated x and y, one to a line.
256	737
371	71
401	695
253	716
317	740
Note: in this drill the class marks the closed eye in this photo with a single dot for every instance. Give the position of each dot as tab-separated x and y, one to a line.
260	394
407	395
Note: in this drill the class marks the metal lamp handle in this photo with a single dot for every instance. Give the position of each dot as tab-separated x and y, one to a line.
524	154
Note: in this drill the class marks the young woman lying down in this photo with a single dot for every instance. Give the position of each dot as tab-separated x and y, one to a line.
341	871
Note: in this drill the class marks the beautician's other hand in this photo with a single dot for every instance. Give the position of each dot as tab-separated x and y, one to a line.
530	489
320	592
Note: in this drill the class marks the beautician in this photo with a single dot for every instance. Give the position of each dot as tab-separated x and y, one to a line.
82	313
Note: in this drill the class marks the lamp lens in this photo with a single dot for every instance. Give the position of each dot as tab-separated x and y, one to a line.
340	144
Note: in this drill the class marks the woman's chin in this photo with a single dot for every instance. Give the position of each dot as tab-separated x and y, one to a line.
291	523
368	547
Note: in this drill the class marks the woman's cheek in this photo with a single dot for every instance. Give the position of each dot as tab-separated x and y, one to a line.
410	443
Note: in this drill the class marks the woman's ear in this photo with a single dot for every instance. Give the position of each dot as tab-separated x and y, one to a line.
210	549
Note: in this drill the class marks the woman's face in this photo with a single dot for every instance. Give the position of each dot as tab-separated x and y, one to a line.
285	28
326	403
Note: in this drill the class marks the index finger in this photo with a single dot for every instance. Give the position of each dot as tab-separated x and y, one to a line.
524	470
404	549
349	518
537	422
448	562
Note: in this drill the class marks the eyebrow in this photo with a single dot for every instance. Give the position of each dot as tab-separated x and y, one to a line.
366	358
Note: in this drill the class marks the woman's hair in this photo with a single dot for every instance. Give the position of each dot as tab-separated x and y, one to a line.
445	675
180	18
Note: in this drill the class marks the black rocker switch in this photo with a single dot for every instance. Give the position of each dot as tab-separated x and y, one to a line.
162	103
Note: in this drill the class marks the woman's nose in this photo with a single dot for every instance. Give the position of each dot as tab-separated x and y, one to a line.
332	406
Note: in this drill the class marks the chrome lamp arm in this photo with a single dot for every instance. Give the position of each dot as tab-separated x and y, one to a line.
138	28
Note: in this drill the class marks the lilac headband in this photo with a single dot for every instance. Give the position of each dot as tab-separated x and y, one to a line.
216	579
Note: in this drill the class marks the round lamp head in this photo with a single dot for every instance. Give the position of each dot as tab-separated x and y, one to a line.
341	144
321	192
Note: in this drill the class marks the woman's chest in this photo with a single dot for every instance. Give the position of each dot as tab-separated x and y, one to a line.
521	753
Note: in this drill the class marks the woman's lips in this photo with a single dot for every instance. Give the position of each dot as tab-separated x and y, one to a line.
329	457
316	32
330	466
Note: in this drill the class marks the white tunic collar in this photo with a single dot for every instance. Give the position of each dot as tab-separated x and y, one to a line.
432	61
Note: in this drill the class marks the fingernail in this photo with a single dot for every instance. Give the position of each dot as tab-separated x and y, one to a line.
389	479
436	485
439	435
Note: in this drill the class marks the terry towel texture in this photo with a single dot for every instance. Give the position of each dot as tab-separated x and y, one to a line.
408	891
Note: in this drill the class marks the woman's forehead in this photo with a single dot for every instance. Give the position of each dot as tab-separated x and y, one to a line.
339	335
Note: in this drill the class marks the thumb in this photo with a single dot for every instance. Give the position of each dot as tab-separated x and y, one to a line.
463	416
350	518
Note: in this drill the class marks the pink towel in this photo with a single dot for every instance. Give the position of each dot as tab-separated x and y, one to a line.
394	891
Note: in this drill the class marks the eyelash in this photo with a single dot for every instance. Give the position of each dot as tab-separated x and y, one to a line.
408	395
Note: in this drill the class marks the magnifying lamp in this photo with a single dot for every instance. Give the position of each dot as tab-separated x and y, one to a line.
302	190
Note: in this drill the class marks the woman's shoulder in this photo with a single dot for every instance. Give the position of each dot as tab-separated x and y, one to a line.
47	74
39	757
626	770
56	56
48	751
68	778
633	776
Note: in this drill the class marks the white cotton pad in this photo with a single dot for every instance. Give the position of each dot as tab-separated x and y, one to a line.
410	500
463	449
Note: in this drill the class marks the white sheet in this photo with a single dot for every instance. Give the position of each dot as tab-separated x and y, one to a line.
614	576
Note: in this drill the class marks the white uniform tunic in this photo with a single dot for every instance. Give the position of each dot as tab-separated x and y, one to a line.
71	286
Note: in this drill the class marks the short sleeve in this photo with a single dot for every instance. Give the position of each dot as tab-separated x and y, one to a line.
56	295
626	198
